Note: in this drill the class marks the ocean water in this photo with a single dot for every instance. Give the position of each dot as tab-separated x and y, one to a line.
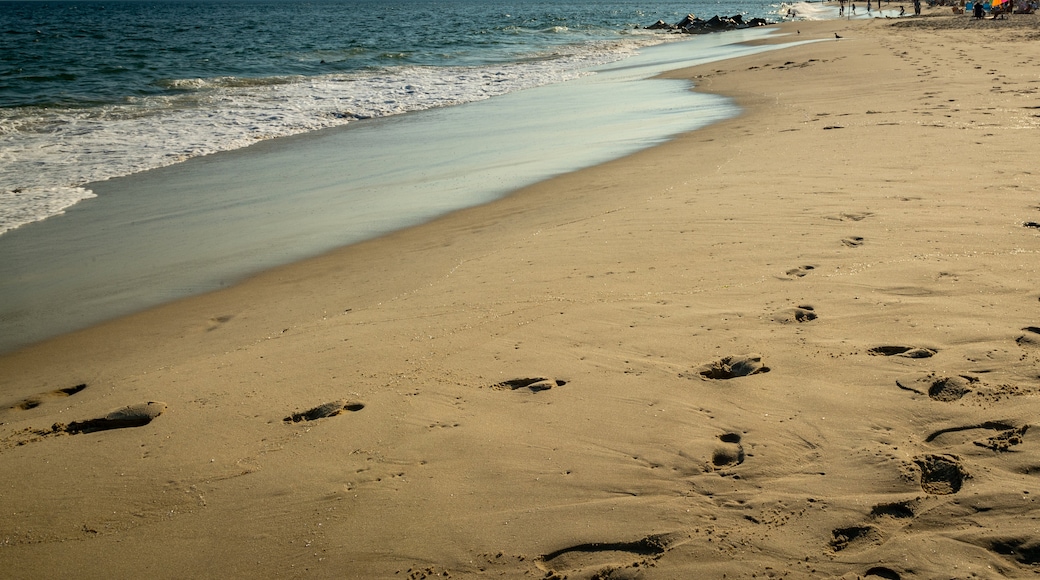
387	114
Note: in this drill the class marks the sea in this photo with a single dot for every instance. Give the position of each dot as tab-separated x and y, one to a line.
116	115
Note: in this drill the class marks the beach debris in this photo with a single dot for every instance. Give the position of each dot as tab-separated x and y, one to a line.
535	384
731	367
325	410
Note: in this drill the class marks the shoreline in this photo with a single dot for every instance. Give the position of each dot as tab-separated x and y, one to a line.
160	235
878	291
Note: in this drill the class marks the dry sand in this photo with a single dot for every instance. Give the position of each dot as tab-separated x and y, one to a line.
541	387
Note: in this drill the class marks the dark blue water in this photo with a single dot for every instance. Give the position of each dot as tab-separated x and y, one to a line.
88	53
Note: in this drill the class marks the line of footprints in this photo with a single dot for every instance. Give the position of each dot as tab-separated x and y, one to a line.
938	474
137	415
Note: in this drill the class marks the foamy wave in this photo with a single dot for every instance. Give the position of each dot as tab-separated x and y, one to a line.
807	11
220	82
24	206
49	153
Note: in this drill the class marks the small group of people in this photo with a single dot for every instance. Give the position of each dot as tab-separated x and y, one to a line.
870	7
998	10
978	8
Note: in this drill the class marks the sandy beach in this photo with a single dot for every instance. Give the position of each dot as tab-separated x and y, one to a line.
801	343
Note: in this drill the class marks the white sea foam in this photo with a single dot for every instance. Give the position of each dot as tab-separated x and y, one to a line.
47	155
807	11
23	206
820	11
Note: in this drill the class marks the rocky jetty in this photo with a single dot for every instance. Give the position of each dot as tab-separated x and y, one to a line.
693	25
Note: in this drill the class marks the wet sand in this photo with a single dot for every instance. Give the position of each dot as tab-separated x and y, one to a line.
800	343
207	223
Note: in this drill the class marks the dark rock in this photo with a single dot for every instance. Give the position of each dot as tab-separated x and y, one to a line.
660	25
690	24
688	20
718	22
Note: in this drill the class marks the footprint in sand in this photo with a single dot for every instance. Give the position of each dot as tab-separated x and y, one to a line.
130	416
728	455
326	410
1025	550
603	559
218	321
941	474
730	367
1031	338
855	537
882	572
800	271
852	241
37	400
944	389
852	216
804	313
533	384
903	351
125	417
898	510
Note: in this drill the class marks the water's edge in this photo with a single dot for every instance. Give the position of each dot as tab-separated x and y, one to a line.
161	235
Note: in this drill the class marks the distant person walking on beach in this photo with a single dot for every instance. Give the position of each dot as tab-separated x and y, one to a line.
917	7
978	11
